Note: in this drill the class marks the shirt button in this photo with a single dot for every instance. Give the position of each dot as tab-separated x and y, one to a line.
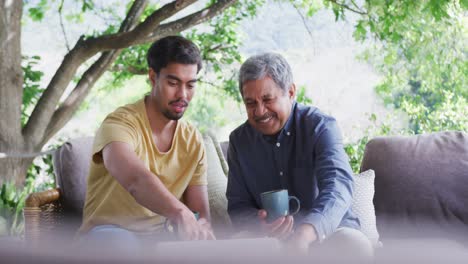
278	144
288	133
281	173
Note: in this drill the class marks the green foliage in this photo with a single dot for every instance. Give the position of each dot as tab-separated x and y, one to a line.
39	177
355	150
219	41
11	206
12	198
302	97
37	11
425	73
205	108
422	56
309	6
220	44
31	86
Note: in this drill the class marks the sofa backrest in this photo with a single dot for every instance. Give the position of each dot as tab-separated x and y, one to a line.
421	184
71	166
224	148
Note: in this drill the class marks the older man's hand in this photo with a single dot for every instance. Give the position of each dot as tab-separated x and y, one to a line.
281	228
300	241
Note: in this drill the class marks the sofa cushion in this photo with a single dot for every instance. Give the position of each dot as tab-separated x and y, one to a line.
362	204
421	184
217	183
71	167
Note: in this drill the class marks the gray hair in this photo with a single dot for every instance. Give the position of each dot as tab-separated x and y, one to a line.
267	64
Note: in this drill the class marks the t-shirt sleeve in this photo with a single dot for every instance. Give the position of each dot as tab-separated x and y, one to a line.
199	176
117	127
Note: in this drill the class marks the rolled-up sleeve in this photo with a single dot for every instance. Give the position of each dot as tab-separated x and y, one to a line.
241	206
334	181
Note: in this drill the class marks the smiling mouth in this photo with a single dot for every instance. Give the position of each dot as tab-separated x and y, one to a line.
264	120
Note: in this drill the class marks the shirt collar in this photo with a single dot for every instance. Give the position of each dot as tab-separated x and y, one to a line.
287	129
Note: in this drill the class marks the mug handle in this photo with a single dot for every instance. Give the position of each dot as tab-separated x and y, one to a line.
298	204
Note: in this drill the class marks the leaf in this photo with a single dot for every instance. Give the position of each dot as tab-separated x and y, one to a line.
464	4
360	31
36	14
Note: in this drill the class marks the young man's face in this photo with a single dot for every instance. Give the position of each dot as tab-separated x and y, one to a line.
268	106
173	88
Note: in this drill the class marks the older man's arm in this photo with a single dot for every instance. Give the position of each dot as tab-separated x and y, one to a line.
242	208
245	214
335	184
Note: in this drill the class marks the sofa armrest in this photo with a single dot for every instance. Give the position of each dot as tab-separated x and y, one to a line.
38	212
39	199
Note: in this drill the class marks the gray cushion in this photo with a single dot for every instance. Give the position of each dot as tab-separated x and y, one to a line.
71	166
217	183
224	148
421	184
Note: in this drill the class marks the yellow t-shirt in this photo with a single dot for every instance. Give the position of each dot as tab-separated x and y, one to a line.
107	202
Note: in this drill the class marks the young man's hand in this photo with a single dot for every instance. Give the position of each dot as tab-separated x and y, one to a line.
281	228
188	228
207	233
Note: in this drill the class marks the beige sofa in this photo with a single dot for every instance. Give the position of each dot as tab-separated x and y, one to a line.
59	209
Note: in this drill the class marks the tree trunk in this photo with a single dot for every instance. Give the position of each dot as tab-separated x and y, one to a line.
50	114
11	90
14	169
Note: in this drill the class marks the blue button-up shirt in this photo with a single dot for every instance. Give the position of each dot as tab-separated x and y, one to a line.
306	158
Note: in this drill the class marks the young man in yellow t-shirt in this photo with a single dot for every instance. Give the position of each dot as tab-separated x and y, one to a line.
147	165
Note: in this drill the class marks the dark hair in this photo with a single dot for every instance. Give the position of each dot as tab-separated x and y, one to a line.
173	49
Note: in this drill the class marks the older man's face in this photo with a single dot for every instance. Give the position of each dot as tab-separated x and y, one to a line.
268	106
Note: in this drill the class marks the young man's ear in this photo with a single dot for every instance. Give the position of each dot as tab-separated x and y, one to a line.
292	92
152	76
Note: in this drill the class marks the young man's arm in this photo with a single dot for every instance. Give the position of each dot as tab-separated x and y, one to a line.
196	198
124	165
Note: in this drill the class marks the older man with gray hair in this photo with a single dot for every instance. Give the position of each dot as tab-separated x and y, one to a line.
287	145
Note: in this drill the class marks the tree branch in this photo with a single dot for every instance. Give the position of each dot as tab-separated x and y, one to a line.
181	24
304	22
347	7
125	39
62	25
130	69
34	131
66	110
41	117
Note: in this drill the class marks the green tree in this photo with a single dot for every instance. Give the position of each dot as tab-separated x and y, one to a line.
425	72
45	112
421	52
120	46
